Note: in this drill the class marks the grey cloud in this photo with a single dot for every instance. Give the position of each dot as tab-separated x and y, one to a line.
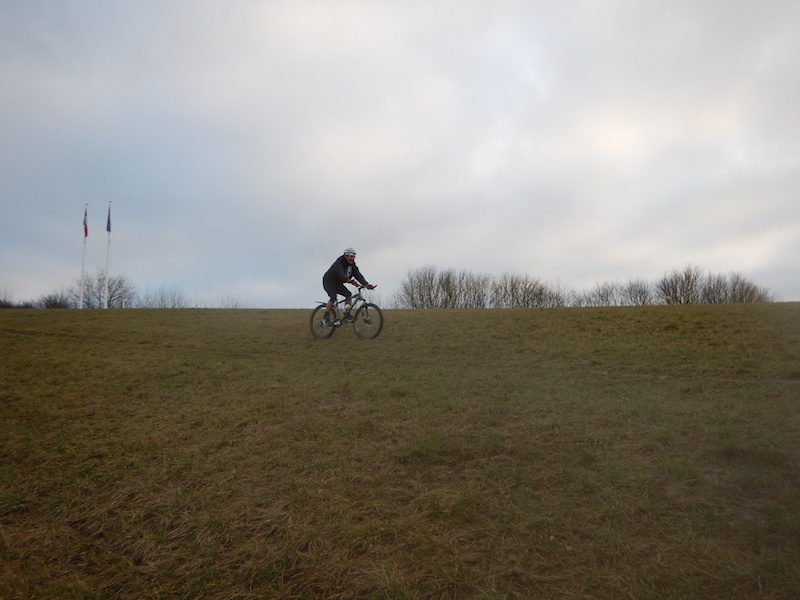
245	144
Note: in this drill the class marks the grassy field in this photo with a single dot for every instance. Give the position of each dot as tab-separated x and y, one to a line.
640	453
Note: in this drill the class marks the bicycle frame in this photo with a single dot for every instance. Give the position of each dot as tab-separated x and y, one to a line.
356	301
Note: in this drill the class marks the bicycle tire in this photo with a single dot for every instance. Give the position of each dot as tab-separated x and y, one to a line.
319	331
369	321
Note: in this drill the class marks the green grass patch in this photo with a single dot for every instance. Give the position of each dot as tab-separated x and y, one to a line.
647	452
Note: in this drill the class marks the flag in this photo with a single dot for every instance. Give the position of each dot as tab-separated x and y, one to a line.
85	223
108	224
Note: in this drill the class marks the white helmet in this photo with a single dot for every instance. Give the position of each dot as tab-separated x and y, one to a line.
349	251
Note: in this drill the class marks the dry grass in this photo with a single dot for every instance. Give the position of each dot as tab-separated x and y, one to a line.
646	453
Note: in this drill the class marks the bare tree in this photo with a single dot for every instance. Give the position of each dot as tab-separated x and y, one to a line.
637	292
681	287
56	299
6	301
557	295
690	286
121	292
448	291
478	289
427	288
167	296
716	290
231	302
606	294
742	290
505	291
520	291
418	289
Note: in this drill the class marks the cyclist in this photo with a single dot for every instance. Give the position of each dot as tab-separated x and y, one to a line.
343	270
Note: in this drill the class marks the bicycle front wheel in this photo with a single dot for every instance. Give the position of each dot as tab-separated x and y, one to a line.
318	330
369	321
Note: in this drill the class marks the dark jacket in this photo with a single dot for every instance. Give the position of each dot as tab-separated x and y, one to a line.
340	272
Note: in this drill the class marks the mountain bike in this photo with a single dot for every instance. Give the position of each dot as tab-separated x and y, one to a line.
366	317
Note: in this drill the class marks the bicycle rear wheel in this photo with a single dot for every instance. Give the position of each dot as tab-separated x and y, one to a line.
369	321
318	330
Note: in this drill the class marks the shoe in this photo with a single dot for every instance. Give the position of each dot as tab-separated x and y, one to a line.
348	319
325	322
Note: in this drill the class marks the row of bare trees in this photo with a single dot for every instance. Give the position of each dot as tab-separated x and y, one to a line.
122	293
692	286
428	287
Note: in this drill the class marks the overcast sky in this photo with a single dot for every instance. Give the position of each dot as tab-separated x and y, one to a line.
245	143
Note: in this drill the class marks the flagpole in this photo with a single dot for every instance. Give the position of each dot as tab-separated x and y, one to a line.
108	253
83	259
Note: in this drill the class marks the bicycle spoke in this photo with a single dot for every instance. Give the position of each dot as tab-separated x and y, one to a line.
369	321
318	329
